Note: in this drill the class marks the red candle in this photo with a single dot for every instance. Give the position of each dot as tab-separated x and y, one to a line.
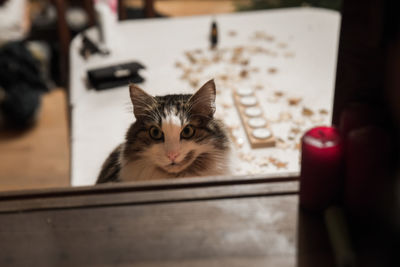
321	168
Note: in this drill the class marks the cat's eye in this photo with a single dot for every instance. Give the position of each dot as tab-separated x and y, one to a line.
187	132
155	133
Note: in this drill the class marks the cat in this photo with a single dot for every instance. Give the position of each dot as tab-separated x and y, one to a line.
173	136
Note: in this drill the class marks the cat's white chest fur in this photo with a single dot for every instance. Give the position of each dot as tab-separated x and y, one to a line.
140	171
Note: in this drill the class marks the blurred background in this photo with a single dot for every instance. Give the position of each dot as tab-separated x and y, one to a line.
34	43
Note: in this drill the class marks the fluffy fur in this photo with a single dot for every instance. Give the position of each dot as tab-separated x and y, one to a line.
173	136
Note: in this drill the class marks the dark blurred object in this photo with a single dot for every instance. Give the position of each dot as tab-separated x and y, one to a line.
148	11
54	25
22	85
367	74
89	48
214	35
56	22
269	4
114	76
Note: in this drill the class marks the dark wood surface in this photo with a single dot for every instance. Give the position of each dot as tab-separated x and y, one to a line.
180	223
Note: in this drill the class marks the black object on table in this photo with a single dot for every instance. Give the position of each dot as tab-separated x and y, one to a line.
115	76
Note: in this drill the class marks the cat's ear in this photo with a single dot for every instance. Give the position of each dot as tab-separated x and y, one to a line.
203	101
142	102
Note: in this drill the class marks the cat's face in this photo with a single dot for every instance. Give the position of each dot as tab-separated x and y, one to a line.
174	131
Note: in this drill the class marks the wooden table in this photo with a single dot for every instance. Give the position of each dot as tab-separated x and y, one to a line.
192	222
302	49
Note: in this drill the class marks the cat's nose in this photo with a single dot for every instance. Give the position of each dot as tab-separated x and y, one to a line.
172	155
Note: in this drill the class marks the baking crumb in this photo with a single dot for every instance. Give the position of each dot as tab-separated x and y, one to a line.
246	157
190	57
216	58
280	143
281	165
263	163
282	45
194	82
297	146
272	99
223	77
307	112
295	130
299	122
317	120
323	112
294	101
258	87
291	136
277	163
232	33
272	70
285	116
178	64
289	55
278	93
243	73
244	62
226	105
269	38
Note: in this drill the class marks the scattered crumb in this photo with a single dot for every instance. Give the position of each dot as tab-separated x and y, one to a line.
223	77
272	70
289	55
273	54
278	93
317	120
272	99
297	146
216	58
238	50
277	163
294	101
281	165
299	122
263	36
280	143
282	45
190	57
194	82
285	116
232	33
246	157
205	61
263	162
178	64
307	112
226	105
323	112
244	73
295	130
269	38
244	62
258	87
291	136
